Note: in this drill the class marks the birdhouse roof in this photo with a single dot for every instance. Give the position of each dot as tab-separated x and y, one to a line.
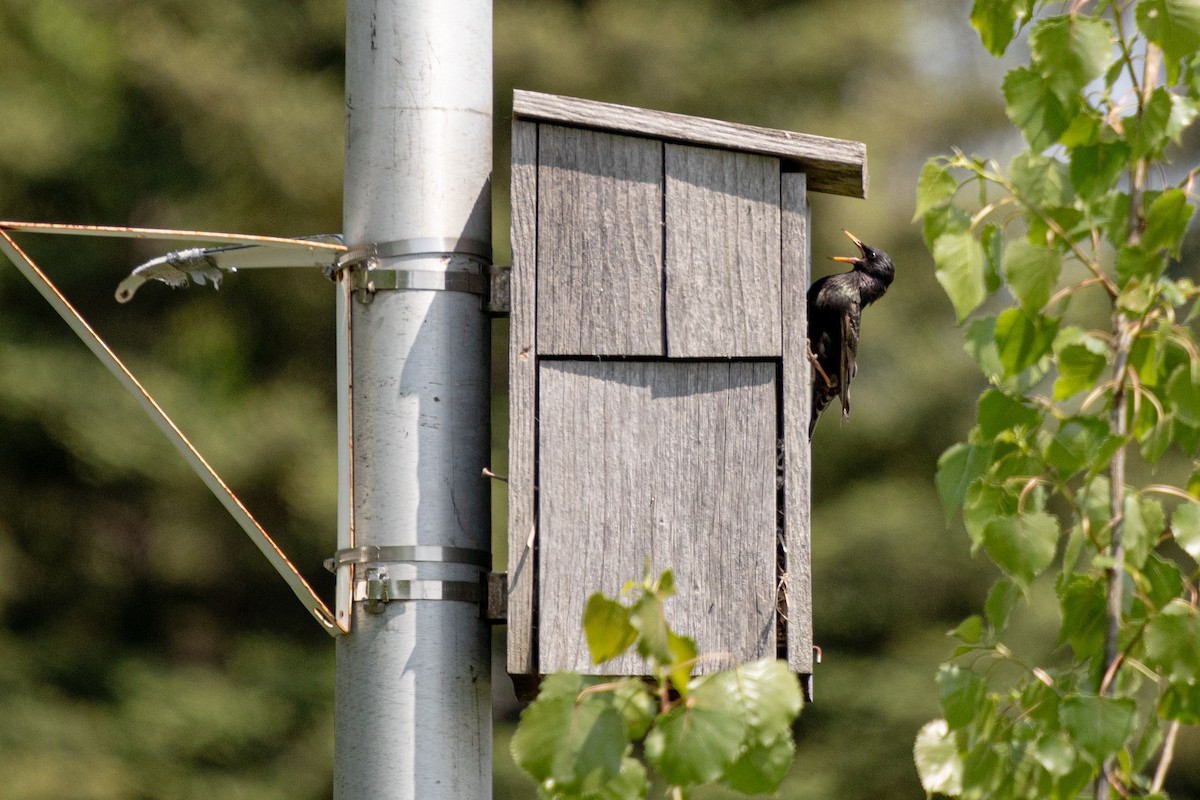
833	166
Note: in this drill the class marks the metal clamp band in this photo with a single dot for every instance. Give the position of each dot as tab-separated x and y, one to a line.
375	554
376	589
425	279
429	246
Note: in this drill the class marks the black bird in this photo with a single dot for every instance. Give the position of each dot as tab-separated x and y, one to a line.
835	305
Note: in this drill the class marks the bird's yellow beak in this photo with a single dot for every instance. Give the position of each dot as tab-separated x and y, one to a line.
847	259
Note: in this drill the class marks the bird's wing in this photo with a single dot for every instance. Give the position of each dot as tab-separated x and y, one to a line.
848	366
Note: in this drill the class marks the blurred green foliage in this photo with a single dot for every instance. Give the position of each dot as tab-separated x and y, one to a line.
146	648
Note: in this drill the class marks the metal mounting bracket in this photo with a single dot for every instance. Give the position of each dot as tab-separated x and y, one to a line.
377	588
374	586
393	554
416	247
314	251
373	279
367	275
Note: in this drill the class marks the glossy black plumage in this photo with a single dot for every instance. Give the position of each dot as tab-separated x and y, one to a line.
835	305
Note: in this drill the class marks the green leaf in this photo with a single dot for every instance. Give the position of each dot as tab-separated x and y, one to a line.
1147	355
1082	602
1157	438
1167	221
960	693
594	746
1143	523
1161	581
1041	181
630	784
683	660
1181	702
1147	133
1081	359
648	619
1001	599
769	696
998	412
1022	340
637	707
970	630
1093	500
1034	107
1076	445
607	628
981	345
1099	726
1072	51
567	738
1095	168
1022	545
959	261
984	502
995	20
1183	391
1173	25
762	766
1032	273
1085	129
1172	642
939	764
935	187
1056	755
1136	261
696	741
1111	212
768	693
1185	525
664	585
941	220
991	238
1184	111
957	469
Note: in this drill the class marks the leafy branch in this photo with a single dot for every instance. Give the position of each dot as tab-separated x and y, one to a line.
1076	394
732	727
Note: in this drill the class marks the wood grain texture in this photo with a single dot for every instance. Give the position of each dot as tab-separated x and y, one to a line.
599	275
834	166
797	400
669	461
522	399
722	253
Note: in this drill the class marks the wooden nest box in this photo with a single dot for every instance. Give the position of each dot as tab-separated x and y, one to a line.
659	383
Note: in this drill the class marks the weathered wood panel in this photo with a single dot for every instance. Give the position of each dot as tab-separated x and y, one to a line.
522	398
599	251
674	462
835	166
797	401
722	253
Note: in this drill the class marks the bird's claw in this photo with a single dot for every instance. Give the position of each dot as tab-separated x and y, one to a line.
812	357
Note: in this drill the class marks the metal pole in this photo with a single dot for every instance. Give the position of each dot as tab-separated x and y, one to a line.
413	696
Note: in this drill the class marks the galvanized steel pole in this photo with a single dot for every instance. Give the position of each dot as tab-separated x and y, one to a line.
413	696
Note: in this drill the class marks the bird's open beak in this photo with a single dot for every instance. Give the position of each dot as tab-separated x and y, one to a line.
847	259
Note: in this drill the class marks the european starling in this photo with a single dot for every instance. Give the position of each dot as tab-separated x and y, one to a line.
835	305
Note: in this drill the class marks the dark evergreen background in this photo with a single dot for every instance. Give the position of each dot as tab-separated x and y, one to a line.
146	648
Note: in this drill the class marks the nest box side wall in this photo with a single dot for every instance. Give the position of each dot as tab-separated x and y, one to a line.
658	363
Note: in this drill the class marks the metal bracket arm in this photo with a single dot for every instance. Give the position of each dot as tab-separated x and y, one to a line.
299	586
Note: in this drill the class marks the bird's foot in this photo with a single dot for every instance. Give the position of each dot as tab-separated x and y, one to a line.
812	357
